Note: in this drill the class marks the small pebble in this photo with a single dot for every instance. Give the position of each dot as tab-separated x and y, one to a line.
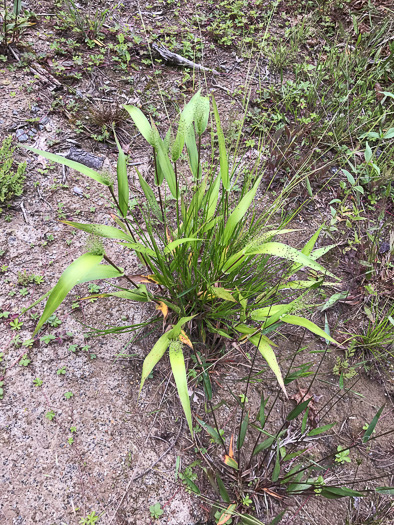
21	135
77	191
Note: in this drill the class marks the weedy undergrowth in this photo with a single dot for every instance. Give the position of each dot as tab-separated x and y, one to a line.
12	23
213	267
11	178
87	26
261	455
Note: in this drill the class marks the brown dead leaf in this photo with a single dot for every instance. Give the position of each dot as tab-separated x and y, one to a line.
301	396
163	308
184	339
273	494
168	235
139	279
227	516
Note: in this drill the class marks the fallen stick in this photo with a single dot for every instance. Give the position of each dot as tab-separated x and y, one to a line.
178	60
24	213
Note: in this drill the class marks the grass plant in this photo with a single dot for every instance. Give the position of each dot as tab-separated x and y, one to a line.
214	270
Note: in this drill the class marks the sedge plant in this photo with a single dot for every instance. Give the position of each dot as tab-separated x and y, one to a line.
213	267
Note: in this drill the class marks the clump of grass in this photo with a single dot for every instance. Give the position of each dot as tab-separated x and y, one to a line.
214	270
107	115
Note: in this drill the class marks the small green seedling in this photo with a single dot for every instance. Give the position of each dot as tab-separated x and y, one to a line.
61	371
47	338
68	395
91	519
50	415
54	321
246	501
343	455
16	324
25	361
38	382
156	511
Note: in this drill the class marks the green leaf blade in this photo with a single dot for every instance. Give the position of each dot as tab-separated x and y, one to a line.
224	172
372	425
123	181
81	168
71	276
179	372
141	122
154	356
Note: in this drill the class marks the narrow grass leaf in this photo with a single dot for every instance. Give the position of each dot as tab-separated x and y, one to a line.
101	271
123	182
288	252
304	420
331	301
385	490
326	328
179	371
100	230
250	520
276	471
177	329
309	325
340	492
222	489
154	356
222	293
261	414
298	409
269	355
238	213
372	425
210	430
230	462
71	276
174	244
140	296
98	177
242	433
192	151
263	445
226	515
140	248
320	430
224	173
150	196
278	518
141	122
207	385
212	198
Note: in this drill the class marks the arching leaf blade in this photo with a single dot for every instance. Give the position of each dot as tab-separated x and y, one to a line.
71	276
81	168
177	362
